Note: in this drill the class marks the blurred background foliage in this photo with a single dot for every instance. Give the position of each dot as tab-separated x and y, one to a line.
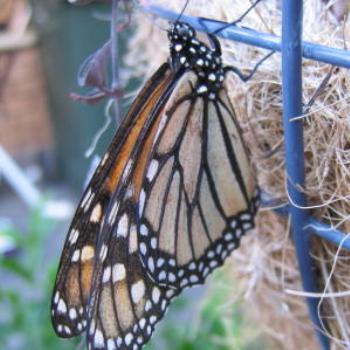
204	318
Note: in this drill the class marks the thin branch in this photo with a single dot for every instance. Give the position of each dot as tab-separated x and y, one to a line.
114	58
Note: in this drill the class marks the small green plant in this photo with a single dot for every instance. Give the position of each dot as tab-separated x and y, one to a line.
213	324
27	278
26	281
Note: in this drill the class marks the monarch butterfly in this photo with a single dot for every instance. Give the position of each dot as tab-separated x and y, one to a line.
169	201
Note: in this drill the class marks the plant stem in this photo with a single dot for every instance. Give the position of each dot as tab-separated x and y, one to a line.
114	59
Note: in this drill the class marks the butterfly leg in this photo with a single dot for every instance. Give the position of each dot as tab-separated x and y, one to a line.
244	77
323	85
214	41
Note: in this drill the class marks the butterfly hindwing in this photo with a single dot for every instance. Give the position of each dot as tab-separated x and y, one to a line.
200	194
127	303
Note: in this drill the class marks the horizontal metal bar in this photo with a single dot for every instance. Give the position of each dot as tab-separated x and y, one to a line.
317	228
328	233
248	36
268	41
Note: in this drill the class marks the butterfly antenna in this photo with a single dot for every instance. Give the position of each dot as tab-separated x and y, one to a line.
239	19
183	10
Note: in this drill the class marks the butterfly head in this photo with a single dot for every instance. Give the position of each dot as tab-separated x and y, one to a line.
183	44
181	32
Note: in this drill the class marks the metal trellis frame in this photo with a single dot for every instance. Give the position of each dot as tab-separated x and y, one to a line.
293	49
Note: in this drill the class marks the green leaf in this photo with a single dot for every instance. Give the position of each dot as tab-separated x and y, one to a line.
15	267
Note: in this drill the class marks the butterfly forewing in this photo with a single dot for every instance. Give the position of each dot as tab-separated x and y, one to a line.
125	302
200	192
73	282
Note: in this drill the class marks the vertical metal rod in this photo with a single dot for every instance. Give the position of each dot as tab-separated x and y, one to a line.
292	17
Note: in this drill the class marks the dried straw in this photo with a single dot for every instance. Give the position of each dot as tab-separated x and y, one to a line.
265	267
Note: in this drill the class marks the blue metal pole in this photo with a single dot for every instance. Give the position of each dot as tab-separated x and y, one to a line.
293	49
315	227
292	17
330	234
248	36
